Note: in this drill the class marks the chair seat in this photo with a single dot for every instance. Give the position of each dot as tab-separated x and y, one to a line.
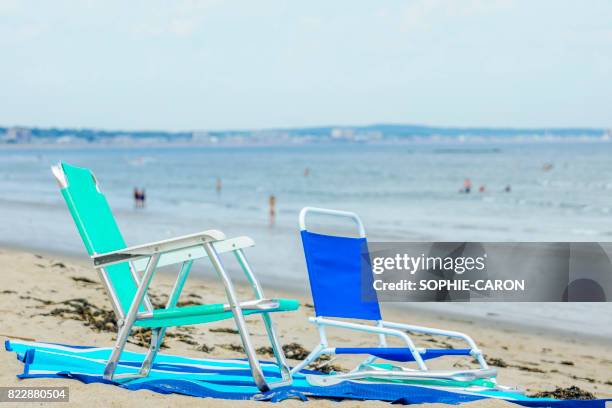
196	314
402	354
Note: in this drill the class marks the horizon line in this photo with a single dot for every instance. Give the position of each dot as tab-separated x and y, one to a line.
289	128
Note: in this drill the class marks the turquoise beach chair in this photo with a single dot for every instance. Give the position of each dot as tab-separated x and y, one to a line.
335	268
127	272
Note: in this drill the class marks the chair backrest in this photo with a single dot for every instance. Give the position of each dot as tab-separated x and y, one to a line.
97	227
339	271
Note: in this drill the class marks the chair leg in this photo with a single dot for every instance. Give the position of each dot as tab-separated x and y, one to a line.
256	370
157	334
369	360
126	324
279	354
313	356
157	337
111	365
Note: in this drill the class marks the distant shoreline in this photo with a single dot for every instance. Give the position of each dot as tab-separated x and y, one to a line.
367	134
410	142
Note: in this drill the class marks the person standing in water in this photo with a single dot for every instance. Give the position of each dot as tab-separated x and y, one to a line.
218	186
467	185
136	197
306	172
272	208
139	198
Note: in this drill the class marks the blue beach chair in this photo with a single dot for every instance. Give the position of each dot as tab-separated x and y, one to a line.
126	273
335	269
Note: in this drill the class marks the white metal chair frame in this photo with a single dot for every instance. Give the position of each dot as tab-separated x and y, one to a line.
382	329
144	261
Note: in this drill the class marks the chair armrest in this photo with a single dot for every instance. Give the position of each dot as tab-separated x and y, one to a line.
373	329
432	331
196	252
364	328
158	247
476	352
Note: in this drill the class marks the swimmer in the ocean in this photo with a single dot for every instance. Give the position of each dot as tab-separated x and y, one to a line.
467	185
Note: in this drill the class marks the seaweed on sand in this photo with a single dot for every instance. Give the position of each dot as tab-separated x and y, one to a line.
232	347
223	330
103	320
141	336
569	393
187	303
183	338
43	301
296	351
496	362
293	351
324	365
205	348
98	319
83	279
529	369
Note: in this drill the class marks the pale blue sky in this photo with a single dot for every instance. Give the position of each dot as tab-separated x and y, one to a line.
251	64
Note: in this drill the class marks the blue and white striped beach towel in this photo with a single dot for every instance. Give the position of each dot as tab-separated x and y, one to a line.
231	378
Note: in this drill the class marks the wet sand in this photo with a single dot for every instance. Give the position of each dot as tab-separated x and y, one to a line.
59	299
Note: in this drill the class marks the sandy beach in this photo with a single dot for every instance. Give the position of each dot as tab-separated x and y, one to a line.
33	305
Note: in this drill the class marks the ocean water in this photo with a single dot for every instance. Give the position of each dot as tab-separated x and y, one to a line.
405	192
